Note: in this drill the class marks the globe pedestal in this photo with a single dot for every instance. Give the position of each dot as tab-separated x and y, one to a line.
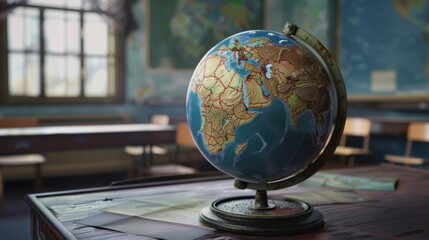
262	216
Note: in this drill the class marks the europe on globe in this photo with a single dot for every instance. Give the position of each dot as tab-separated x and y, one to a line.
261	106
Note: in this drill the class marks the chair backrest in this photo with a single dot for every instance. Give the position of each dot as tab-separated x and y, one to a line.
183	135
18	122
417	131
358	127
161	119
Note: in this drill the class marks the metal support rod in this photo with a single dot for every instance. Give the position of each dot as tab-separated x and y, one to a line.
261	200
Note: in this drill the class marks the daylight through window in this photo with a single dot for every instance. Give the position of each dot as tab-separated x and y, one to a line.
60	49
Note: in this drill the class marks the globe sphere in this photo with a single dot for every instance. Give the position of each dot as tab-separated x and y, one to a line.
261	106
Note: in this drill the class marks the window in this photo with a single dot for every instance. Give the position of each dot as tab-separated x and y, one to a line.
58	52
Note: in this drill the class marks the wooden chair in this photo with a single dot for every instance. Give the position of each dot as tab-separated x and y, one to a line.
145	154
139	150
354	127
417	132
35	160
184	145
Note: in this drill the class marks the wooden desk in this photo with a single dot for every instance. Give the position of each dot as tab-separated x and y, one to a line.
52	138
402	213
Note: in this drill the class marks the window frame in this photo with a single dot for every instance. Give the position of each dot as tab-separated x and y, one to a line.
119	85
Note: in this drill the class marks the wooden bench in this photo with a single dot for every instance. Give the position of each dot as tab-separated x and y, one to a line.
35	160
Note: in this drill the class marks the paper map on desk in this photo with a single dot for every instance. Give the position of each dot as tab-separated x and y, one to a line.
167	208
145	227
351	182
151	216
331	197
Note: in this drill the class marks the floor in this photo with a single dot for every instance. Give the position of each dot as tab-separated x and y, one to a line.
14	215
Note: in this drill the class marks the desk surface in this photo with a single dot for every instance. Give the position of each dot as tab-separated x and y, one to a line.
403	213
51	138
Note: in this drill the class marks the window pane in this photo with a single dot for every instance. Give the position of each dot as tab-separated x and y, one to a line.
75	4
72	83
33	75
62	31
24	74
31	29
23	29
16	74
15	27
49	3
73	32
54	75
87	5
96	79
95	34
55	31
102	4
62	76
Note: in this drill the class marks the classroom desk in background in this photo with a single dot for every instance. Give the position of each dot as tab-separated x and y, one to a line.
403	213
54	138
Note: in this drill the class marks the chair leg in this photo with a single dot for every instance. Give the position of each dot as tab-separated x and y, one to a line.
351	161
191	160
150	160
343	160
146	161
1	189
197	161
176	155
131	167
38	185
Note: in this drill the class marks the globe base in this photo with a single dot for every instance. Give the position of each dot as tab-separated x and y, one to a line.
244	215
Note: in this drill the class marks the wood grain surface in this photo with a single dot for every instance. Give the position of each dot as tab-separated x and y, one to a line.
399	214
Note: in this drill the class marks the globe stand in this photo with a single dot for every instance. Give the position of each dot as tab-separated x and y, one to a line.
281	216
262	216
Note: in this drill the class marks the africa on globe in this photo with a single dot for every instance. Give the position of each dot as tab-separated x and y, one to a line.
261	106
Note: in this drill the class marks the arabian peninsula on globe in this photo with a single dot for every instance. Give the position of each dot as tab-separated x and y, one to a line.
261	106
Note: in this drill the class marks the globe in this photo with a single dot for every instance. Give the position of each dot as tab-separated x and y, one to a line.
261	106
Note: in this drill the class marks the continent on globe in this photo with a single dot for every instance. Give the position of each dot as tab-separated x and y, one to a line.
260	106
